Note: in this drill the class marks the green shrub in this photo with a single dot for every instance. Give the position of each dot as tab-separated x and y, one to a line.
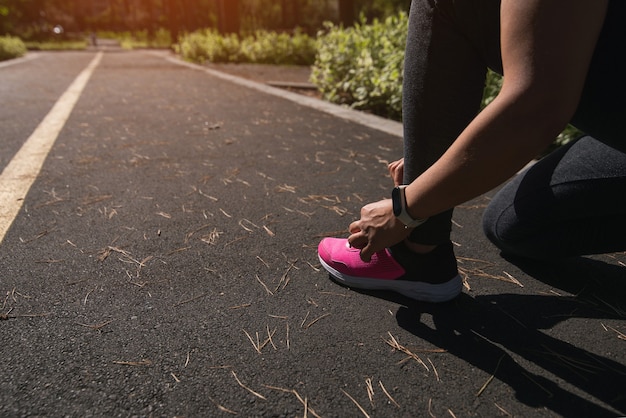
278	48
262	47
493	84
362	66
142	39
208	45
303	49
11	47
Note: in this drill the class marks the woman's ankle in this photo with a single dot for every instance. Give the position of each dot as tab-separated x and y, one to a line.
419	248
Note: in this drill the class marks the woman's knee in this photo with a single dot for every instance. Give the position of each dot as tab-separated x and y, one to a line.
503	227
495	222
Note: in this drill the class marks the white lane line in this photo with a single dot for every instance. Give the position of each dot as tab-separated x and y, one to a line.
19	175
371	121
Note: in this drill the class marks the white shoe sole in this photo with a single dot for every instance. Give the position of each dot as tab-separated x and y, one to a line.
421	291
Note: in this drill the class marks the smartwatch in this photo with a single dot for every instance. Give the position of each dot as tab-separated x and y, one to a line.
399	208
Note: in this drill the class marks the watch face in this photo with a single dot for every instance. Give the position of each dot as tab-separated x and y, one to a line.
397	201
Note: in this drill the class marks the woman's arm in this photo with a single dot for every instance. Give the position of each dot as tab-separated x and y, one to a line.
547	46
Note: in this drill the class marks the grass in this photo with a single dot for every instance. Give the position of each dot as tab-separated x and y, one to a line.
75	45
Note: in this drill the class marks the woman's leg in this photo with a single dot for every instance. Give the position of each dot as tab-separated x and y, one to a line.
443	83
573	202
444	75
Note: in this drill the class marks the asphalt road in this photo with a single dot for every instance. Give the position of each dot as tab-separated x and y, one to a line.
163	263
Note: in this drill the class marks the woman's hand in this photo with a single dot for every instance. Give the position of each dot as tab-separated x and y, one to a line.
396	171
377	229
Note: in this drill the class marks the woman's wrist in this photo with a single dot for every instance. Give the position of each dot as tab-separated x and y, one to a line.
400	208
412	204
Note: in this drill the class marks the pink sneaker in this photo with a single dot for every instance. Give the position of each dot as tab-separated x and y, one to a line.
383	272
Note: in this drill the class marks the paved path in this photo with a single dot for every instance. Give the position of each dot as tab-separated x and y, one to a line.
163	263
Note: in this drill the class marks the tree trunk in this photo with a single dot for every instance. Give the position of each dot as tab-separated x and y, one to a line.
229	16
346	12
172	18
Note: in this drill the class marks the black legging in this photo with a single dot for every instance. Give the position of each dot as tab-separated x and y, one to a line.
572	202
450	45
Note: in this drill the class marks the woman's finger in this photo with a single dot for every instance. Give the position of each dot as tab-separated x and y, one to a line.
396	171
358	240
354	227
366	253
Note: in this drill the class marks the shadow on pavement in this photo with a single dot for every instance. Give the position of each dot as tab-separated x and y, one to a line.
479	332
486	331
592	280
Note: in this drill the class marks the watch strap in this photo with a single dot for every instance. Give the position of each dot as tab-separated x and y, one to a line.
404	216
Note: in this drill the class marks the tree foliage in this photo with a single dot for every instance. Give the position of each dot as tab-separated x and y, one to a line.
36	18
